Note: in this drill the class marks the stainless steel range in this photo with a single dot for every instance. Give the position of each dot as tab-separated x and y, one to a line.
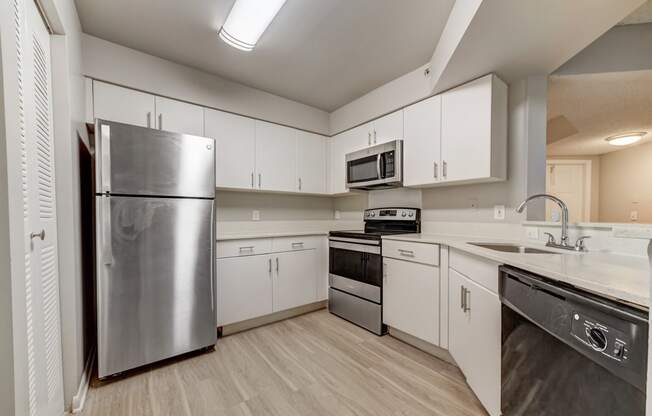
356	265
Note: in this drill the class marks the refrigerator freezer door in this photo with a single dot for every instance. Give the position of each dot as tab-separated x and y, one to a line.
155	288
138	161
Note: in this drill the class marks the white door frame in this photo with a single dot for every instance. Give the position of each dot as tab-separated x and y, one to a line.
587	180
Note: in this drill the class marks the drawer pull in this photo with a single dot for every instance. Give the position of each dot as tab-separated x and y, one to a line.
247	248
467	300
406	253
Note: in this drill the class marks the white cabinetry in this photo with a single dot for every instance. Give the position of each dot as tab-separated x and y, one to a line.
244	288
339	146
179	117
257	277
386	128
235	148
123	105
296	279
276	157
411	298
474	336
422	143
474	131
311	163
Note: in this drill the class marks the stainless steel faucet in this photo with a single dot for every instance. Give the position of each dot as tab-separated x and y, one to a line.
579	245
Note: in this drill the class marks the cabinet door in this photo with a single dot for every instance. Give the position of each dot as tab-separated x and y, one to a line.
474	338
276	156
123	105
411	298
244	288
311	161
466	131
179	117
296	279
235	147
422	143
341	144
387	128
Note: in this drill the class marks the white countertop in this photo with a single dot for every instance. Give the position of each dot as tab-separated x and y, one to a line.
617	276
245	236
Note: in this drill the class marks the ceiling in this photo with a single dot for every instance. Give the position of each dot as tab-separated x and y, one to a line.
585	109
324	53
642	15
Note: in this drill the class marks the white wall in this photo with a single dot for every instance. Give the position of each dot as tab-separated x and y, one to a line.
110	62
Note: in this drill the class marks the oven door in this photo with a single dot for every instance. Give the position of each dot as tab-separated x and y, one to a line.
356	268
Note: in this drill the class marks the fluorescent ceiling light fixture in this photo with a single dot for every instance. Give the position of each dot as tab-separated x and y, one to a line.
247	21
625	139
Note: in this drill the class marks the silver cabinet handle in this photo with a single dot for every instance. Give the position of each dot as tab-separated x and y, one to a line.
299	183
435	170
406	253
277	265
149	119
252	179
467	300
462	297
374	136
444	169
259	179
40	236
247	248
270	265
297	245
160	121
369	138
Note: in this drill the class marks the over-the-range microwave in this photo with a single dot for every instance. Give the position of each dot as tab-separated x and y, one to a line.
376	167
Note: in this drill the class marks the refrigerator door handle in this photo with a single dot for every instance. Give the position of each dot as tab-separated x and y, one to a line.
106	158
107	250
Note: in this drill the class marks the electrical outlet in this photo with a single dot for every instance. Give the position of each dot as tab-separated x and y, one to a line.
633	215
499	212
255	215
473	203
532	233
338	214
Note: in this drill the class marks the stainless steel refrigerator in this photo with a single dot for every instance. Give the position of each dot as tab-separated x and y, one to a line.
155	211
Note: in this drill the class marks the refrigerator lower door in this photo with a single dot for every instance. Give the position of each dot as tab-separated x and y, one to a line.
155	291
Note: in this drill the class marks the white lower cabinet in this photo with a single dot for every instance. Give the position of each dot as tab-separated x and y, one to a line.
296	279
253	285
245	288
474	337
411	298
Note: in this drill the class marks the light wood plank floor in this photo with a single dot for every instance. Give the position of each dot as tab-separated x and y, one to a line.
315	364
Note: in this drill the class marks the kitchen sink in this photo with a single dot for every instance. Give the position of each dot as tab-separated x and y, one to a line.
512	248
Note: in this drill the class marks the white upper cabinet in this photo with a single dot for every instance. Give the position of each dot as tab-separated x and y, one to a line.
422	143
179	117
123	105
474	131
339	146
276	157
386	128
311	162
235	147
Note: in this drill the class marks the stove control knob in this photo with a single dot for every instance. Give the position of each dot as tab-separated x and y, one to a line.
411	214
403	214
597	339
373	214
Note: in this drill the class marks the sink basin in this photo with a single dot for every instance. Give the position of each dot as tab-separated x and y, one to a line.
512	248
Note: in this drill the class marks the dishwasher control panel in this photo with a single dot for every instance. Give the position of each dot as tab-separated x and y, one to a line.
600	337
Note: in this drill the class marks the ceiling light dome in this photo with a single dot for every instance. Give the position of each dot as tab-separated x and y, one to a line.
247	21
625	139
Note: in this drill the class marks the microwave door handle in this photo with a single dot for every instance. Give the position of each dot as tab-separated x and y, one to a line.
380	175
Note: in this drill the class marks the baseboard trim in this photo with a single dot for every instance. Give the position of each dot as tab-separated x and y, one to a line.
274	317
79	399
422	345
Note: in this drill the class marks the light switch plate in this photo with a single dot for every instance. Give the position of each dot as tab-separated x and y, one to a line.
255	215
499	212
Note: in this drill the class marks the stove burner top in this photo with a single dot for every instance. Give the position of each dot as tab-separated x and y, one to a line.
385	221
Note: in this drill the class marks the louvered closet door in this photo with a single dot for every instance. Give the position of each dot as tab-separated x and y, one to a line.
44	359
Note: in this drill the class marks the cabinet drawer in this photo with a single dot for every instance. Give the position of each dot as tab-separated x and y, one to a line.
416	252
295	243
235	248
479	270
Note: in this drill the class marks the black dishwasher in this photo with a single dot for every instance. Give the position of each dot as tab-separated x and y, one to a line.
566	352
